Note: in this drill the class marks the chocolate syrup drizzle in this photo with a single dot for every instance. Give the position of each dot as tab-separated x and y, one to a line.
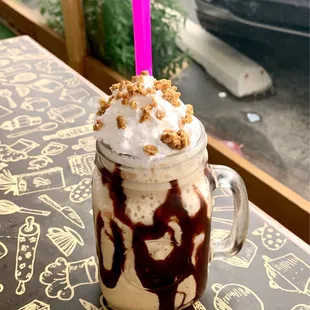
160	277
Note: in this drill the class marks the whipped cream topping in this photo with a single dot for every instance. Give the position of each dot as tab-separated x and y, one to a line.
135	126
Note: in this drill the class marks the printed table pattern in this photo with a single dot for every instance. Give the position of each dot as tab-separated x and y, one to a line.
47	245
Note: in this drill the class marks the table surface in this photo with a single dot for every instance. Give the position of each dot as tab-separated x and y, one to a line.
46	161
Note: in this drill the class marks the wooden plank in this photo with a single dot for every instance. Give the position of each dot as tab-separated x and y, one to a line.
75	33
101	75
277	200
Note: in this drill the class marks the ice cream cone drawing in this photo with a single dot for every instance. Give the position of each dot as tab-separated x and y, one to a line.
53	149
87	144
245	257
32	182
66	211
9	207
66	114
3	250
65	239
235	296
271	238
76	94
81	191
5	93
49	66
288	273
4	111
36	305
38	104
28	237
73	82
82	164
72	132
301	307
199	306
61	278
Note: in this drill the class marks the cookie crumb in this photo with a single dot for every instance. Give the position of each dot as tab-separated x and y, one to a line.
154	102
151	90
172	96
97	125
162	85
133	104
189	109
144	72
125	102
121	123
150	149
111	98
146	113
175	140
160	114
104	105
187	119
119	95
114	87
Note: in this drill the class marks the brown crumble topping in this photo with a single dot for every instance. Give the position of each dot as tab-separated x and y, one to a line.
154	102
187	119
111	99
160	114
146	113
189	109
151	90
97	125
175	140
104	105
114	87
119	95
121	123
172	96
150	150
142	91
133	104
162	85
144	72
125	102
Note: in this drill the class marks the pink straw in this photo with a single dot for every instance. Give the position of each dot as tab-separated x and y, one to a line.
141	14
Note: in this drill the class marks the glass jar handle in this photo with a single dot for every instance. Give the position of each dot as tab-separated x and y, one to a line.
224	177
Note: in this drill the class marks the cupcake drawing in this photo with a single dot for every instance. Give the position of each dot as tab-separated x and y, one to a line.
288	273
234	296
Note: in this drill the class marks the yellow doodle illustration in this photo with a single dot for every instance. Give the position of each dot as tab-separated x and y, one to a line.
22	91
94	101
16	151
88	306
33	182
4	111
66	114
73	82
223	209
70	132
235	296
271	238
4	62
288	273
9	207
301	307
62	277
66	211
21	121
3	165
44	86
222	220
81	191
36	305
245	257
199	306
38	104
28	237
23	77
91	118
76	95
3	250
65	239
82	164
8	72
1	287
53	149
49	66
38	162
7	94
56	77
44	127
87	144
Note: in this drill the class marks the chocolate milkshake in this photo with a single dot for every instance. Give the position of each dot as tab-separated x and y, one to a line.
151	197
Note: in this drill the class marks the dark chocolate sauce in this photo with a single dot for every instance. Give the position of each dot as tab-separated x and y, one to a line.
160	277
